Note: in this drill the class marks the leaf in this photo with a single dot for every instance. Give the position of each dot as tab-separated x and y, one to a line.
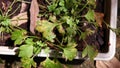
19	19
70	51
47	50
99	18
52	7
28	62
86	33
92	2
51	64
62	3
90	15
40	43
47	29
90	52
6	22
29	41
18	36
61	29
34	11
26	51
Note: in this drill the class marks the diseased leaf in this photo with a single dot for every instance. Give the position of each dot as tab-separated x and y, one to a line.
90	52
47	30
90	15
26	51
34	11
70	51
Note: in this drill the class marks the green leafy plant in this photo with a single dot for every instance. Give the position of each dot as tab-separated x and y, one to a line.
61	25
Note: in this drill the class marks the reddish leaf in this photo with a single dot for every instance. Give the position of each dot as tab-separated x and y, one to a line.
34	10
99	18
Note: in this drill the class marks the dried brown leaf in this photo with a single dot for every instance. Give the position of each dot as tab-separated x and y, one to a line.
34	10
19	19
99	18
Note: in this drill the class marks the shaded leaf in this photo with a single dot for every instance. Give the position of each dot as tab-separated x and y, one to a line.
90	52
34	11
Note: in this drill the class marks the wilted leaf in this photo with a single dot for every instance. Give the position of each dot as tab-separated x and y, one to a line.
34	11
99	18
90	52
90	15
47	30
26	51
19	19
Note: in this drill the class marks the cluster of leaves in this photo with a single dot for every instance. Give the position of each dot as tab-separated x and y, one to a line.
58	27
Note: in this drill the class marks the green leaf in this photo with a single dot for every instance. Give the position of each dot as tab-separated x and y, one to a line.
28	62
26	51
61	29
47	50
90	15
18	36
70	51
2	29
6	22
46	28
92	2
86	33
52	7
62	3
48	63
90	52
41	44
29	41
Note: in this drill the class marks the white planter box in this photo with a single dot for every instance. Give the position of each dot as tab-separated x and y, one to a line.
112	7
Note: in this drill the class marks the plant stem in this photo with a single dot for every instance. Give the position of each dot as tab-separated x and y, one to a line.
14	11
9	8
83	7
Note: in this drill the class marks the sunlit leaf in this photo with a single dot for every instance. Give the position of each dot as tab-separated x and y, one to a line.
26	51
70	51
